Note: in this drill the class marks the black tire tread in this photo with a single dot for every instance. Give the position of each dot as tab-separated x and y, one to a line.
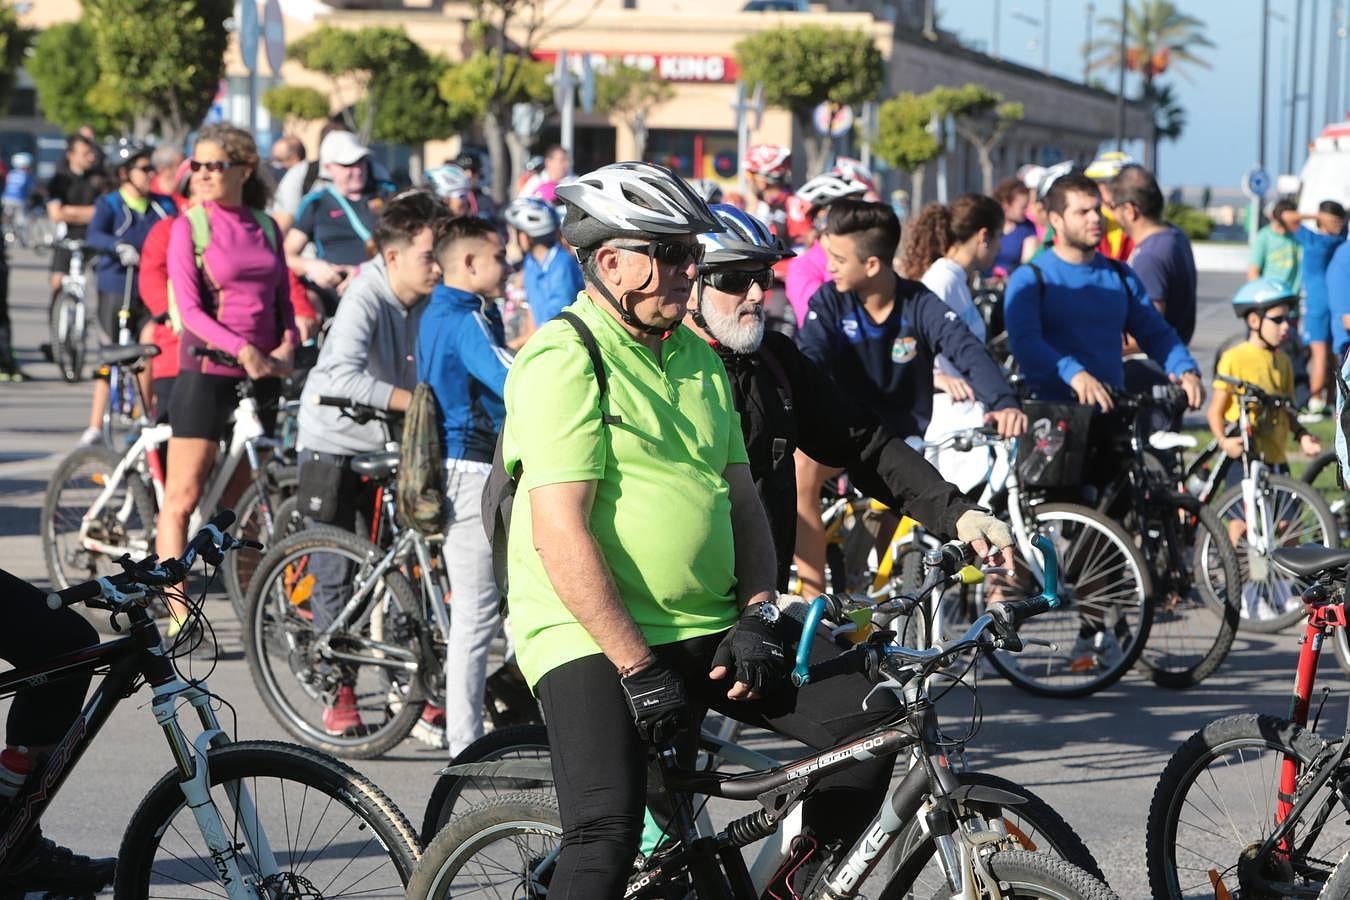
537	808
1040	869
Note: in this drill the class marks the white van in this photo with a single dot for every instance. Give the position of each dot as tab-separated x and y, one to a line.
1326	174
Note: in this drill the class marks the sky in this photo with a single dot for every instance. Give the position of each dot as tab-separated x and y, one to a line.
1222	102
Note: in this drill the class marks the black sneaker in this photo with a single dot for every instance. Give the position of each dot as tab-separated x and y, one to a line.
59	871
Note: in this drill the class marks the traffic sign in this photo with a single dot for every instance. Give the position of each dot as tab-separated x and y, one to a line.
247	19
1256	182
274	35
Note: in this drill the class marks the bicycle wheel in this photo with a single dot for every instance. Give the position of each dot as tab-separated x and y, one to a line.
1103	620
504	848
1035	876
279	483
125	523
68	335
333	832
1031	822
1196	619
452	791
380	655
1216	801
1338	885
1300	516
1336	501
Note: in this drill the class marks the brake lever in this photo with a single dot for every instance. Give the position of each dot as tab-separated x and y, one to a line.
1041	642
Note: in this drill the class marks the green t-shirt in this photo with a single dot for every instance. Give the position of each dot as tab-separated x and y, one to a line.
662	511
1277	257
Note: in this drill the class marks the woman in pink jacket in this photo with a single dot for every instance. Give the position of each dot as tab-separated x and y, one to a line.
238	302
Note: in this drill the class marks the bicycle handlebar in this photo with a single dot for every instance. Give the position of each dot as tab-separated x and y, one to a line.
1254	393
219	357
359	412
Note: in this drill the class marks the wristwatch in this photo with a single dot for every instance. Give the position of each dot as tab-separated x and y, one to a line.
766	611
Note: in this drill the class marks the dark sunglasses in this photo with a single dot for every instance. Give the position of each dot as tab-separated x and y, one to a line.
738	281
1278	320
215	165
149	170
668	253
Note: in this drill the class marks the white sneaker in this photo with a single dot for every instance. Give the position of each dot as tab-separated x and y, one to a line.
90	437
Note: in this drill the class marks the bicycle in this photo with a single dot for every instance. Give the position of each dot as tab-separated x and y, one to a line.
248	820
1255	806
1266	511
1337	502
101	505
976	860
68	318
1192	564
853	559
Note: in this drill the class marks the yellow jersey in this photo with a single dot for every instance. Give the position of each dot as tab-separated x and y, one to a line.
1272	372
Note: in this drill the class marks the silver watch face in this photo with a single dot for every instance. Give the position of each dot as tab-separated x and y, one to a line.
769	612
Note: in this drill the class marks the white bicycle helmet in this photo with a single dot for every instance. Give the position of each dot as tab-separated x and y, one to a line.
22	161
533	216
450	182
744	238
826	188
631	199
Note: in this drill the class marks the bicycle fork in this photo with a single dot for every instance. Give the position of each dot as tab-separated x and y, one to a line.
195	782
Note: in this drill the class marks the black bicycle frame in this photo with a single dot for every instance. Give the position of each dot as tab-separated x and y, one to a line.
125	659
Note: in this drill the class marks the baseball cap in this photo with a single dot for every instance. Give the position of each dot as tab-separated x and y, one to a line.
343	148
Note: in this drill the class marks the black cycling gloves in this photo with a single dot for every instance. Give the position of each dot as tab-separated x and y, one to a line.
753	651
657	701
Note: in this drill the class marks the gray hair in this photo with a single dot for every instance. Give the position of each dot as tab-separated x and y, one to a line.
167	156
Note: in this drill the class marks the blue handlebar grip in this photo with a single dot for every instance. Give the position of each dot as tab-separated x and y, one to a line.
801	672
1050	566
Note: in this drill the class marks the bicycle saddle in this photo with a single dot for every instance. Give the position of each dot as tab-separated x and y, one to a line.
377	466
1311	560
115	355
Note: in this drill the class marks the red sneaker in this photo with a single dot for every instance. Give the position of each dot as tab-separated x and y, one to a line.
343	717
430	729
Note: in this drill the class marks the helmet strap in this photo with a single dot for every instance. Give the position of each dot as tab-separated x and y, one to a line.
628	317
1261	320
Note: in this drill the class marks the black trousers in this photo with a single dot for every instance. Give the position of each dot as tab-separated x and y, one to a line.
600	764
33	634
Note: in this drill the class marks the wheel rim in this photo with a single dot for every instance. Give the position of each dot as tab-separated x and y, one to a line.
1296	522
303	681
1227	804
70	561
1102	593
518	867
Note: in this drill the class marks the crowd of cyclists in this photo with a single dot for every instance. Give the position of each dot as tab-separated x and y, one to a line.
668	375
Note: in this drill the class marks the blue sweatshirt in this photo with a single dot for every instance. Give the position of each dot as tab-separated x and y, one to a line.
461	353
887	367
552	284
116	223
1075	322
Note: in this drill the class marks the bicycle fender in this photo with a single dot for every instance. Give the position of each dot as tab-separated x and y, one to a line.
977	793
514	769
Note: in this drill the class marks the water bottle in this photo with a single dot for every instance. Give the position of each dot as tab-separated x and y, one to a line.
15	767
1047	440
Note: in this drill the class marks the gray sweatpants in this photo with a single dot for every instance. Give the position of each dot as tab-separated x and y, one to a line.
474	621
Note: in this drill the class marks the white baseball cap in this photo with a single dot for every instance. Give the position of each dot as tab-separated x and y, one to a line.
343	148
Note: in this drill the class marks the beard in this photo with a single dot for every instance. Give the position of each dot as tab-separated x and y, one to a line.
740	332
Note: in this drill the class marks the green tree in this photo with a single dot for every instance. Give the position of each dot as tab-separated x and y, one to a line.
982	118
293	104
1169	116
14	43
411	109
1157	37
804	66
905	139
631	93
161	58
65	74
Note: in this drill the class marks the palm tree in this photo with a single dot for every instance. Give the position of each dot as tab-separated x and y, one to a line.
1157	37
1169	116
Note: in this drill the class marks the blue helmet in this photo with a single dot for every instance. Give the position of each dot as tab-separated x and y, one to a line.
1262	294
743	239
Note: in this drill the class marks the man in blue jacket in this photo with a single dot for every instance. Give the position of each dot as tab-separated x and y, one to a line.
461	353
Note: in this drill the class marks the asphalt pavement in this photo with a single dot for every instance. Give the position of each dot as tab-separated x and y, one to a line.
1096	760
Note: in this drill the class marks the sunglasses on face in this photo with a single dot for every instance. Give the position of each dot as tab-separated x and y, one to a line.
1278	320
668	253
215	165
149	170
738	281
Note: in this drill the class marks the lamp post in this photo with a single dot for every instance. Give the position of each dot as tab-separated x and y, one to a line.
1293	95
1265	50
1120	84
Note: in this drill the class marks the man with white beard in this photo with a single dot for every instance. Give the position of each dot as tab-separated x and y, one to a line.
786	402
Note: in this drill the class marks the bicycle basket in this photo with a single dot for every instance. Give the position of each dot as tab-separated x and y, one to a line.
1053	451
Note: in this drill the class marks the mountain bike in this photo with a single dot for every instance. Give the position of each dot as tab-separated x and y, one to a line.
1337	501
68	318
246	820
854	560
1256	806
1265	512
508	847
101	505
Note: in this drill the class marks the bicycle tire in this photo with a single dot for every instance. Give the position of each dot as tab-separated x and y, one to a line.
1191	633
1338	505
1211	760
1279	592
1120	596
1034	818
238	568
1338	885
69	496
378	827
296	687
1035	876
514	741
68	331
515	817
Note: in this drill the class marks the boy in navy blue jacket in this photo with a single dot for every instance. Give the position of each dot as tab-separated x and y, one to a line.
876	335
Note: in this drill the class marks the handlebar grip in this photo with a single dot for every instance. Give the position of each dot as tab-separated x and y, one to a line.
801	672
76	593
1050	568
955	557
846	663
326	400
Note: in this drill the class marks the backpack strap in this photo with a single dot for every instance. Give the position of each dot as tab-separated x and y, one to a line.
269	228
353	219
593	351
1040	279
201	231
772	363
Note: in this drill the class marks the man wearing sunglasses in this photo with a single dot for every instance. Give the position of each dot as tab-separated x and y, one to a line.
785	401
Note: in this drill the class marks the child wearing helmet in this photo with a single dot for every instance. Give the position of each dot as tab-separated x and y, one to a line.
1265	305
552	275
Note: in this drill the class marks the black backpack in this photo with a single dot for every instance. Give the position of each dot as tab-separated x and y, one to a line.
499	493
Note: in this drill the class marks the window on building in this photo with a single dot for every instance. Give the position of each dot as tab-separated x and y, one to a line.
691	154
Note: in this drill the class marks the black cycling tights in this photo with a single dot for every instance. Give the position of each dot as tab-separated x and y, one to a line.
600	766
32	635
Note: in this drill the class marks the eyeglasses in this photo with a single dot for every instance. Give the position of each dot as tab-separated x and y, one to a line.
668	253
215	165
738	281
1278	320
149	170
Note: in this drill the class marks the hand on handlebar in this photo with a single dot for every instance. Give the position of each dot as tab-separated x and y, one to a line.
283	359
754	652
1010	422
657	700
1231	446
987	535
1195	389
1091	391
323	274
256	365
